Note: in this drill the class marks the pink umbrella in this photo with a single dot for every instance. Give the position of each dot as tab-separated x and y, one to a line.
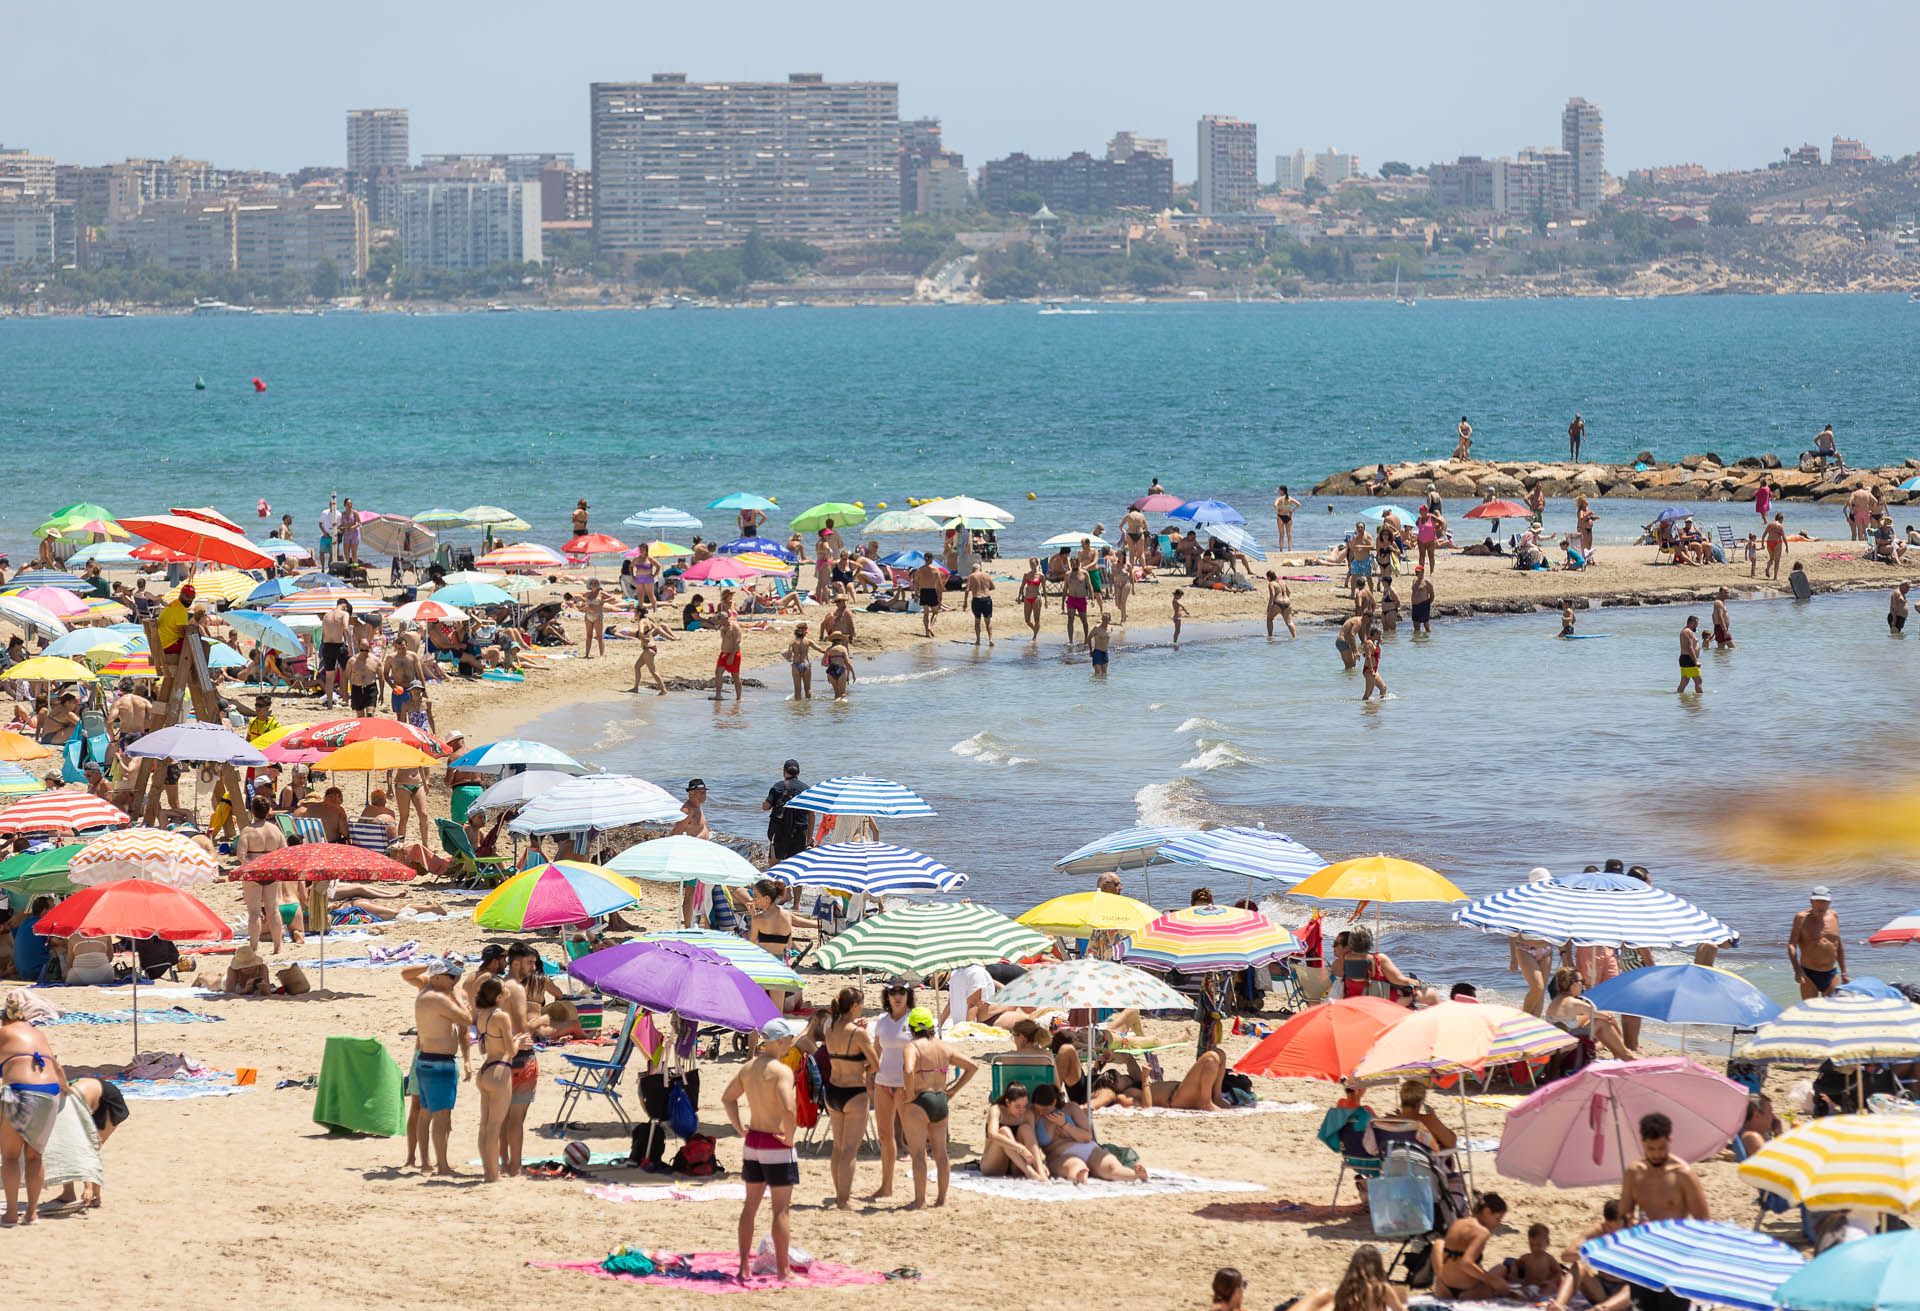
282	754
1585	1129
718	568
1158	503
58	601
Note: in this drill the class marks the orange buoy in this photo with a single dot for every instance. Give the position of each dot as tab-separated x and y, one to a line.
259	385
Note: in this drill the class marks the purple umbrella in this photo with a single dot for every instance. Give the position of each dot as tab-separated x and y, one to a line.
679	978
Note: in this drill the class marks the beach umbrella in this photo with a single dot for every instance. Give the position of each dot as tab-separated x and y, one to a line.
1595	911
1712	1263
133	908
862	794
104	552
279	753
1208	940
901	521
16	746
963	507
319	600
1456	1037
333	734
741	501
1255	853
1865	985
1842	1028
1901	929
551	894
718	569
1881	1273
49	669
323	862
441	517
391	535
1086	983
1673	512
315	578
1685	994
599	802
1378	879
152	553
657	550
1583	1131
1499	510
922	940
471	576
1157	503
680	979
491	516
34	872
751	959
96	644
58	602
757	546
285	550
904	559
132	663
522	556
879	868
1072	539
154	854
191	740
207	514
842	514
31	617
662	519
268	592
1238	538
516	789
1206	512
54	578
1127	848
769	565
428	612
1378	514
199	540
469	595
1080	913
18	782
682	858
373	755
593	544
82	510
974	522
1841	1162
516	753
265	630
1323	1042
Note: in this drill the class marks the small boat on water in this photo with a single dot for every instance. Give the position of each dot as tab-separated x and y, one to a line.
219	307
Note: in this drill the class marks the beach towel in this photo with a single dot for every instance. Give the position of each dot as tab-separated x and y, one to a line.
1022	1189
359	1089
667	1192
971	1031
1285	1212
72	1153
597	1159
712	1272
1168	1112
175	1090
172	1015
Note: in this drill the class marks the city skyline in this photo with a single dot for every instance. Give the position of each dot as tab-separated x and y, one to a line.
1468	89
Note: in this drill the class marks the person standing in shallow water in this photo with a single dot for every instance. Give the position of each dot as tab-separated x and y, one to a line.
1690	656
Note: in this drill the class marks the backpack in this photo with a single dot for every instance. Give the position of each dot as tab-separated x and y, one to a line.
696	1157
681	1117
649	1144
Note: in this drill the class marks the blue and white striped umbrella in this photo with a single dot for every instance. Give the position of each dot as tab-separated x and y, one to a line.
1256	853
875	867
66	582
662	518
1127	848
1704	1260
596	801
498	757
1590	912
272	590
860	794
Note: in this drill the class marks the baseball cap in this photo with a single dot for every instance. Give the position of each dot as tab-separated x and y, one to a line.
920	1020
452	965
1820	893
782	1026
187	591
790	767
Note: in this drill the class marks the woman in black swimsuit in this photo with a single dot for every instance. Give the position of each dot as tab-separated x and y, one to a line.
495	1080
851	1065
773	925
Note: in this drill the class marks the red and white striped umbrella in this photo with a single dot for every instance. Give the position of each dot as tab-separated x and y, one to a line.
61	812
428	612
319	600
199	539
157	855
521	555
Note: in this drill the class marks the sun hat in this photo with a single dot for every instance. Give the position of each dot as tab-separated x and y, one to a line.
245	958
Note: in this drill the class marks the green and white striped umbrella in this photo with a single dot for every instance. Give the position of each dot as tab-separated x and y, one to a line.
1090	984
920	940
750	958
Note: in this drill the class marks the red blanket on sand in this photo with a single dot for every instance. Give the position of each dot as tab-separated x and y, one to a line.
821	1274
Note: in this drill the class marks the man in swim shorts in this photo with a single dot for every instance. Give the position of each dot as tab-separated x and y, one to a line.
440	1023
1897	610
980	601
1078	589
926	588
1098	643
1422	601
1690	656
767	1157
333	650
727	663
1814	947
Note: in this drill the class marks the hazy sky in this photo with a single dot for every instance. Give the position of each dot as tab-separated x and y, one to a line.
266	85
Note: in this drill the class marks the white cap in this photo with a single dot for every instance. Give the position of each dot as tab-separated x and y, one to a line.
1820	893
782	1026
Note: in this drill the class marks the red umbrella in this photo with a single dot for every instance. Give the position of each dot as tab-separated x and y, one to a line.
133	908
337	733
1158	503
319	862
163	554
1499	510
593	544
1323	1042
200	540
207	514
61	812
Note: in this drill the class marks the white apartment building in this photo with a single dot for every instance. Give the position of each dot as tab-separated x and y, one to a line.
466	224
1583	135
1290	172
1229	165
26	233
1333	166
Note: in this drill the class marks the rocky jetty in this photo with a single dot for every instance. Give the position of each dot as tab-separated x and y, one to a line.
1703	477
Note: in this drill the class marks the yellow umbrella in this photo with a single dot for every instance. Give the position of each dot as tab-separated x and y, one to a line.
15	747
374	754
766	564
107	645
229	585
1377	878
1864	1162
664	550
51	669
272	735
1087	912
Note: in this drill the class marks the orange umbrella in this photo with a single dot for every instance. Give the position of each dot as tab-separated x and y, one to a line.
199	539
593	544
1323	1042
15	747
374	753
1499	510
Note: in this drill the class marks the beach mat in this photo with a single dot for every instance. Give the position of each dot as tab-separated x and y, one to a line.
972	1031
1283	1212
172	1015
713	1273
1094	1190
601	1159
176	1090
668	1192
1168	1112
359	1089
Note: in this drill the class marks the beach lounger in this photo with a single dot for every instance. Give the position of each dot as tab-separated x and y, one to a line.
598	1076
466	866
1028	1069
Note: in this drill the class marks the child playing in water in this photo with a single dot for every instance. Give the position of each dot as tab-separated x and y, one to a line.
1370	667
1566	619
1179	613
1097	642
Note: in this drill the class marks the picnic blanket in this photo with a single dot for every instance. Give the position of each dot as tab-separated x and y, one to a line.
667	1192
1022	1189
1258	1108
713	1272
172	1015
175	1090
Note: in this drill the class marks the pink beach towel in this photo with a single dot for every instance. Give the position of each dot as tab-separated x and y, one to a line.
821	1274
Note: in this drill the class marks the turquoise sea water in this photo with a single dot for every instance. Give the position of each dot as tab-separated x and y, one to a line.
533	410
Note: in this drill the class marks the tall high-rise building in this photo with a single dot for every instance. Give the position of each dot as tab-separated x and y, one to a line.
1334	166
1229	165
468	222
1079	184
519	166
1125	145
1290	172
378	151
681	165
1583	135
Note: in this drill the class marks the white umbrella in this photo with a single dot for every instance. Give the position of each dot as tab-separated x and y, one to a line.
596	801
963	507
1074	539
681	858
32	616
518	789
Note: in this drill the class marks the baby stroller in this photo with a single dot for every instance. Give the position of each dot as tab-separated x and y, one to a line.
1416	1199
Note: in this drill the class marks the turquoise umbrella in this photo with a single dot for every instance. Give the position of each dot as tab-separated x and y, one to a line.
740	501
1881	1273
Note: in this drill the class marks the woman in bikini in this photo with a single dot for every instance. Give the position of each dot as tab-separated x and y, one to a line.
838	665
31	1086
852	1064
800	652
1065	1134
1012	1147
1364	1287
1283	507
1032	591
495	1080
928	1064
772	926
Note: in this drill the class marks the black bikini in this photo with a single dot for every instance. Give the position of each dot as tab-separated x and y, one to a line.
838	1097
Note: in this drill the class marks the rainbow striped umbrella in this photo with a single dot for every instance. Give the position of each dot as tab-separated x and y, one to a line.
17	782
522	555
1205	939
133	664
1457	1037
561	892
766	564
1871	1162
1844	1027
319	600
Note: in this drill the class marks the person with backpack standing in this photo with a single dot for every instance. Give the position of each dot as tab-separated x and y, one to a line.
788	830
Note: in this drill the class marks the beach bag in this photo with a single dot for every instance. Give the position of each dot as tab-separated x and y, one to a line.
696	1157
681	1117
293	981
1401	1204
806	1101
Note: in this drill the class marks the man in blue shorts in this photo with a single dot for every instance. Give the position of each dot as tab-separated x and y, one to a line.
440	1021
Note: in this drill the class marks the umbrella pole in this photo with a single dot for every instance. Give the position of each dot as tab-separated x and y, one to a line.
136	1005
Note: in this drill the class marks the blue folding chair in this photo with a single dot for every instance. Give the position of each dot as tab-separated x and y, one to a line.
594	1076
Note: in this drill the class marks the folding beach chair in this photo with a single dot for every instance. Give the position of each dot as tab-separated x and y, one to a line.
596	1076
1728	546
1340	1129
466	866
370	835
1028	1069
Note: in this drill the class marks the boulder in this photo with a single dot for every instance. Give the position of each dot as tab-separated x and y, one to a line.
1795	482
1748	462
1644	457
1500	484
1671	476
1770	461
1451	484
1700	462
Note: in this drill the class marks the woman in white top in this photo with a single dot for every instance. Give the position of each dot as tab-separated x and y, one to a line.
890	1036
255	840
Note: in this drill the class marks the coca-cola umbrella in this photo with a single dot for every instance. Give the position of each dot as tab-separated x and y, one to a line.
336	733
133	908
322	862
